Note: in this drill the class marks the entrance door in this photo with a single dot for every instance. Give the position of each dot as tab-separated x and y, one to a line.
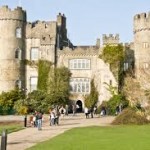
79	106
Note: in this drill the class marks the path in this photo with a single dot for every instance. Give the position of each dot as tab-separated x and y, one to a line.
30	136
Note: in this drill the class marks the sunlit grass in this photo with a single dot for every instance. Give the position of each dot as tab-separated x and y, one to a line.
97	138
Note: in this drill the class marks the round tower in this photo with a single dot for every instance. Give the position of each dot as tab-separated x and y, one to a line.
12	48
142	48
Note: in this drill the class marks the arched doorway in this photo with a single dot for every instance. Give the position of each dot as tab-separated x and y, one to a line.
79	106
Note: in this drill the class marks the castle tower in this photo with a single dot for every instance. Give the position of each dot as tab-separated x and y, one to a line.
142	47
12	48
110	39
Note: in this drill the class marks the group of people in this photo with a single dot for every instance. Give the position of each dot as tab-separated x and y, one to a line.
90	111
36	119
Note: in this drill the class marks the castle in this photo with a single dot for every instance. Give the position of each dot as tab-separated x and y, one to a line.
21	40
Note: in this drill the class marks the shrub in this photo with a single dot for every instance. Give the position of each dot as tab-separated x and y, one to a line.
130	116
114	101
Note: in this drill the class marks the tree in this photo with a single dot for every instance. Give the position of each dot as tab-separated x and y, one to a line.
59	86
92	98
7	100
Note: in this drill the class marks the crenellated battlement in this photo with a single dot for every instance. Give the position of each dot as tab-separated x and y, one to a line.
41	29
17	14
110	39
141	22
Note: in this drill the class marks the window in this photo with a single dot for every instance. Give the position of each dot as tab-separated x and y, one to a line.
145	65
80	85
34	54
18	33
126	66
18	54
79	64
145	45
33	83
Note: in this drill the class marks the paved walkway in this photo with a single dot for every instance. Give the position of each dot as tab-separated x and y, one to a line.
30	136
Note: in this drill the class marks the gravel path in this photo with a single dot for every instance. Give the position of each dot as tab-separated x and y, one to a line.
30	136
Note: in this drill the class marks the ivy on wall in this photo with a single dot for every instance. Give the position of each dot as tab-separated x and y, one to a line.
114	55
44	68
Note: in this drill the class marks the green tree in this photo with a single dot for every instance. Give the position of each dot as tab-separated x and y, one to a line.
59	86
7	100
92	98
37	101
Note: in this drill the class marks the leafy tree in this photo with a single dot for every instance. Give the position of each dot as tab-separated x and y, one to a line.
7	100
59	86
92	98
36	101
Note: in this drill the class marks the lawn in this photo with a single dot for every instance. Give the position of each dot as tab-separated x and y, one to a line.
100	138
10	126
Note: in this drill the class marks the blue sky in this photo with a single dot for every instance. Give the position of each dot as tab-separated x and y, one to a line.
87	20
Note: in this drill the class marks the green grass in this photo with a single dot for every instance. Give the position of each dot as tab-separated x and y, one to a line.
100	138
10	128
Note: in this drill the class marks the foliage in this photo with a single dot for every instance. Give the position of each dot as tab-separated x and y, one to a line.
103	104
114	55
114	101
36	101
130	116
20	107
7	100
44	68
132	90
59	86
92	98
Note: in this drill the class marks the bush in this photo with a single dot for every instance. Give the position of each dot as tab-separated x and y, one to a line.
114	101
130	116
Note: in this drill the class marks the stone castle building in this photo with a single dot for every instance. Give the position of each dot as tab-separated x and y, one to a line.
21	40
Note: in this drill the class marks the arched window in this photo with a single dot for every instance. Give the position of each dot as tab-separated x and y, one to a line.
18	53
18	32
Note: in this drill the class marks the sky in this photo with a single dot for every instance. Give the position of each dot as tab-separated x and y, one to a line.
87	20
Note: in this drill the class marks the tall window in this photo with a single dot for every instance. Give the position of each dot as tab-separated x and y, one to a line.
126	66
18	53
34	53
79	64
145	65
18	32
80	85
145	45
33	83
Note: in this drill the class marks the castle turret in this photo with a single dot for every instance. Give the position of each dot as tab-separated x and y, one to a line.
142	46
12	47
110	39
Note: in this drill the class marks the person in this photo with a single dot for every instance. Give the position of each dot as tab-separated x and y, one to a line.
117	109
67	107
39	120
95	110
73	109
103	111
52	117
86	111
